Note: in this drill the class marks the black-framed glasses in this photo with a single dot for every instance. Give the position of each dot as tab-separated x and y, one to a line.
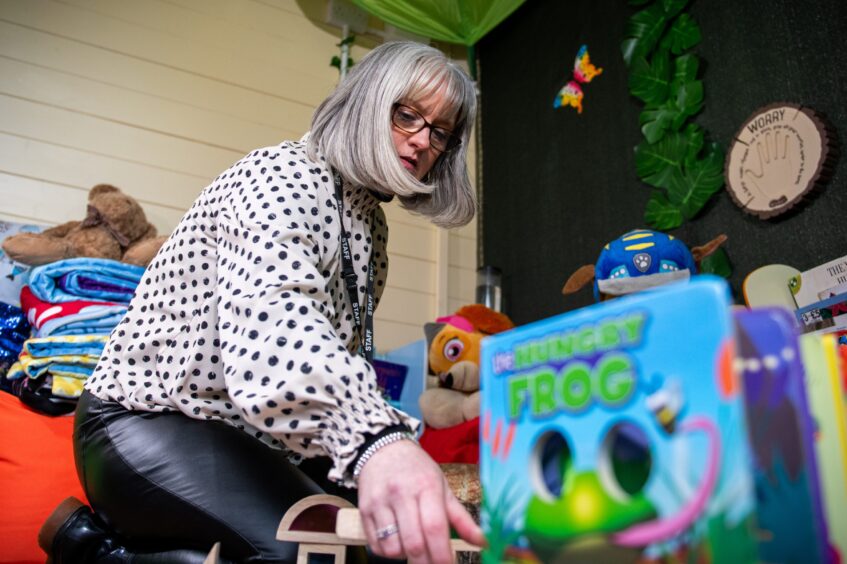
410	121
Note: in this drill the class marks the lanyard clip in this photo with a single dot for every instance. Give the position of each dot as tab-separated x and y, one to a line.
350	279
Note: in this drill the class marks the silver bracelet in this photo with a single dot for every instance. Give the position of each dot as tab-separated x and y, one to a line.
378	444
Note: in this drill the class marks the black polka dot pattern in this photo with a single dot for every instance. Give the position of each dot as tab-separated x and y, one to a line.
242	316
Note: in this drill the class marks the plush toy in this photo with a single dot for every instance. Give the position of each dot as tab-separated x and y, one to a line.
454	343
115	228
639	260
450	404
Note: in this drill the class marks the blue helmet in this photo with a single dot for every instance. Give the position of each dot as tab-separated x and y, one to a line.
639	260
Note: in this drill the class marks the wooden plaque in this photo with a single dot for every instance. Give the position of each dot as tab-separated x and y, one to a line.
779	155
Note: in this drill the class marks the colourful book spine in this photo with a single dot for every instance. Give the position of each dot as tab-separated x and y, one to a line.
827	402
788	494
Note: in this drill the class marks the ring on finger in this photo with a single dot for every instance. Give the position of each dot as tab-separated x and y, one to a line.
384	532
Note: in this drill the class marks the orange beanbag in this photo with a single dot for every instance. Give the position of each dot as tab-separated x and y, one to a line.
36	473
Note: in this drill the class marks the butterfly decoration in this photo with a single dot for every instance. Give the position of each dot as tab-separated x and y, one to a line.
583	72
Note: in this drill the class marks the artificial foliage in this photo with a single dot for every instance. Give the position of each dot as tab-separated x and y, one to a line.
674	158
717	263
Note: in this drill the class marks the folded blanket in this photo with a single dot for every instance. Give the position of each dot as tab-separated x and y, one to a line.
70	318
89	345
101	326
87	278
64	362
69	366
61	385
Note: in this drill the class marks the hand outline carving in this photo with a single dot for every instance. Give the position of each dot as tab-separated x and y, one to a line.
775	173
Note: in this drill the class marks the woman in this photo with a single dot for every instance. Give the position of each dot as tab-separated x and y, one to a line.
233	387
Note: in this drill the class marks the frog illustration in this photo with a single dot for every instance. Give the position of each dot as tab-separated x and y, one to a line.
602	513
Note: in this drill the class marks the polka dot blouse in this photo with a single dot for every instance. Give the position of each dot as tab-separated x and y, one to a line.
242	317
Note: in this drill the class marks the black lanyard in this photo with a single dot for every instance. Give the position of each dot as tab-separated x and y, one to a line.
351	281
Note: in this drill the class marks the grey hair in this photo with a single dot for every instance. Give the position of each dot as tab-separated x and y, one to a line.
352	129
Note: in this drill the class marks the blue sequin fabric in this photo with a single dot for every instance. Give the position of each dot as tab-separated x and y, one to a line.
14	330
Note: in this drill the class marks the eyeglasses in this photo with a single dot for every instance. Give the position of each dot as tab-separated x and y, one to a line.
410	121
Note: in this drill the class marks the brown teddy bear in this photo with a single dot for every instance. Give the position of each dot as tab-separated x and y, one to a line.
115	228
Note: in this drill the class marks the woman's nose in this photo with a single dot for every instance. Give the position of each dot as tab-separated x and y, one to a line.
420	139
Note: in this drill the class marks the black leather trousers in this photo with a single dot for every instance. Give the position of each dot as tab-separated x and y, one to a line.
166	481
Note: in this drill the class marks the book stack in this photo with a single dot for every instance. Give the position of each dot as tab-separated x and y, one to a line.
661	427
820	295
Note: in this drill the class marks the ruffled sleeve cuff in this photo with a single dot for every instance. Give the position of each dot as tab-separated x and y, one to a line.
347	450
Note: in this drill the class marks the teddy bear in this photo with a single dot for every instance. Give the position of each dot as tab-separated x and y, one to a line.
454	345
114	228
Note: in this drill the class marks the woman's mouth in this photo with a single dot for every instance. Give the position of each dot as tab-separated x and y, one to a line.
409	163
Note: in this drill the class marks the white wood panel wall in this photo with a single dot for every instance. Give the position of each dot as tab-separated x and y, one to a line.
159	96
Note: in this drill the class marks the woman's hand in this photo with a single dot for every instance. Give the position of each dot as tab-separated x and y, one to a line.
402	488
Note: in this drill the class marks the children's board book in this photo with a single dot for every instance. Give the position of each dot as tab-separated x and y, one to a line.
829	315
412	359
827	401
790	517
615	433
815	284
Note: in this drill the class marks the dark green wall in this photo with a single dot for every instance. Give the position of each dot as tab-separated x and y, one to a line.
558	185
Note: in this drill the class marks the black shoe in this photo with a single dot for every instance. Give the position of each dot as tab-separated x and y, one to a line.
72	534
62	513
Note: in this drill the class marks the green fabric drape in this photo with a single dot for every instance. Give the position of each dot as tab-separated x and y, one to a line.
456	21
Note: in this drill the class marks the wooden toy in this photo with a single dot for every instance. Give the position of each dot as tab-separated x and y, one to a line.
312	522
328	524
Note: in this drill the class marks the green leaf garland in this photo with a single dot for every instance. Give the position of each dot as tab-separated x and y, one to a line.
650	81
683	34
717	263
674	159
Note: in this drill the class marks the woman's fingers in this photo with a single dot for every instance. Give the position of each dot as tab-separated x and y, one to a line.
384	535
434	525
400	485
462	521
411	535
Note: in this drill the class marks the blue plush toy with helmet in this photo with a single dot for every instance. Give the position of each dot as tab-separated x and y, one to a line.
639	260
